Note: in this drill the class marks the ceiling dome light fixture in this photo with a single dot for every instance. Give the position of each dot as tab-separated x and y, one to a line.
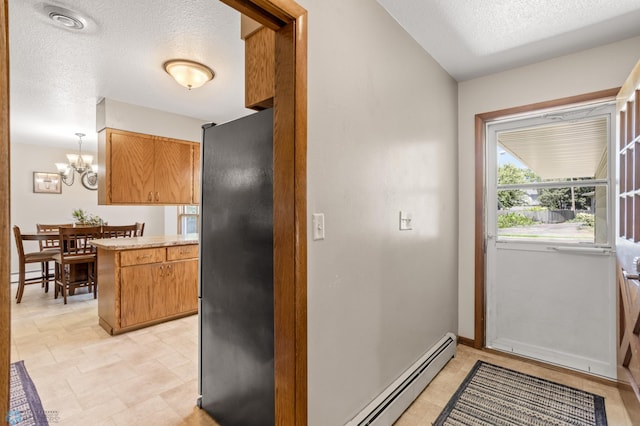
65	17
187	73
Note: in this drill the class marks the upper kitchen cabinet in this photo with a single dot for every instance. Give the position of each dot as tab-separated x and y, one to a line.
259	68
136	168
196	174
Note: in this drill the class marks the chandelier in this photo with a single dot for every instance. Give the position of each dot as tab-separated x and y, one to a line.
79	163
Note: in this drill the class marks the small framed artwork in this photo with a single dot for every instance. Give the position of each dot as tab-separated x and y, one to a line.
47	183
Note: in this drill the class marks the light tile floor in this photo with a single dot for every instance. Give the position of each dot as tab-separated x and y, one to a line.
85	376
434	398
149	376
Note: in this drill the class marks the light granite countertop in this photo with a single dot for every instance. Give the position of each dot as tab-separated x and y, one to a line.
145	242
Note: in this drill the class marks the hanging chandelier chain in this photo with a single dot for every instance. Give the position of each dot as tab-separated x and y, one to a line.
80	165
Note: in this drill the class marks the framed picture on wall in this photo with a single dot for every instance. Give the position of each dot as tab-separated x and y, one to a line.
47	183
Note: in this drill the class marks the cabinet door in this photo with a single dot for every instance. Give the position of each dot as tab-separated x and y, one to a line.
196	174
173	172
131	167
259	69
138	294
183	277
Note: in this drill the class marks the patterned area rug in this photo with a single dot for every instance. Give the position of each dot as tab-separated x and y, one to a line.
492	395
25	408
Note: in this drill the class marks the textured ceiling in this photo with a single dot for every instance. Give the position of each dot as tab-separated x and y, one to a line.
471	38
57	75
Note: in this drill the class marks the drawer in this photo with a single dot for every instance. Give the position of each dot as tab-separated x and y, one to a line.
189	251
142	256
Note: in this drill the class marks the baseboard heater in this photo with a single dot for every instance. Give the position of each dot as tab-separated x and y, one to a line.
394	400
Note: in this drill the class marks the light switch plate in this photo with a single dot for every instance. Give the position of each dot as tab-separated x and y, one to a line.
405	221
317	223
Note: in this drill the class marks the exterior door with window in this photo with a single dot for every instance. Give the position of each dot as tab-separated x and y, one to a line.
550	294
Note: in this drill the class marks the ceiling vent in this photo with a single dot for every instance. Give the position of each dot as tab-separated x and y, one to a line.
65	17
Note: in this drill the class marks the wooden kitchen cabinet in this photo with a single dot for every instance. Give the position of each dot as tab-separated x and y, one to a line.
259	68
157	291
186	294
140	292
196	175
139	287
136	168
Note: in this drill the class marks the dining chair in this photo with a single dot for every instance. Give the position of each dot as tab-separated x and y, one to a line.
75	250
49	244
139	229
25	258
119	231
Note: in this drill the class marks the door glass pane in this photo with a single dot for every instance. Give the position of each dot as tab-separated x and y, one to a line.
565	214
552	182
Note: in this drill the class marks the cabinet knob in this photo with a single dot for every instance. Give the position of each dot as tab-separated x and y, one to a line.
157	196
150	198
161	270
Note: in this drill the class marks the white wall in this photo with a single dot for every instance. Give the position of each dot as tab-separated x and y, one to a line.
381	138
29	208
592	70
135	118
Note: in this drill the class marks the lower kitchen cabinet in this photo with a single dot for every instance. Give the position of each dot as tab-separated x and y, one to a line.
144	286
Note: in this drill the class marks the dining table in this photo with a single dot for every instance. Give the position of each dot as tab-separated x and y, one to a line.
39	236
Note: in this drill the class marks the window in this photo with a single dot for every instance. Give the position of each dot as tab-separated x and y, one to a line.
571	211
552	181
188	219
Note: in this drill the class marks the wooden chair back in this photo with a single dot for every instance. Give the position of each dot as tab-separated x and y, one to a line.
41	257
139	229
75	250
119	231
19	244
53	242
75	241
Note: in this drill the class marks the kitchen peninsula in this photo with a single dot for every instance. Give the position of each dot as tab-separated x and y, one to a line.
146	280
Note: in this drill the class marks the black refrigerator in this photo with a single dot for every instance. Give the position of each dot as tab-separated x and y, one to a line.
236	272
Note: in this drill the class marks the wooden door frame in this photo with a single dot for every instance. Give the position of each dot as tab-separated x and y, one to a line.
5	220
289	20
481	121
